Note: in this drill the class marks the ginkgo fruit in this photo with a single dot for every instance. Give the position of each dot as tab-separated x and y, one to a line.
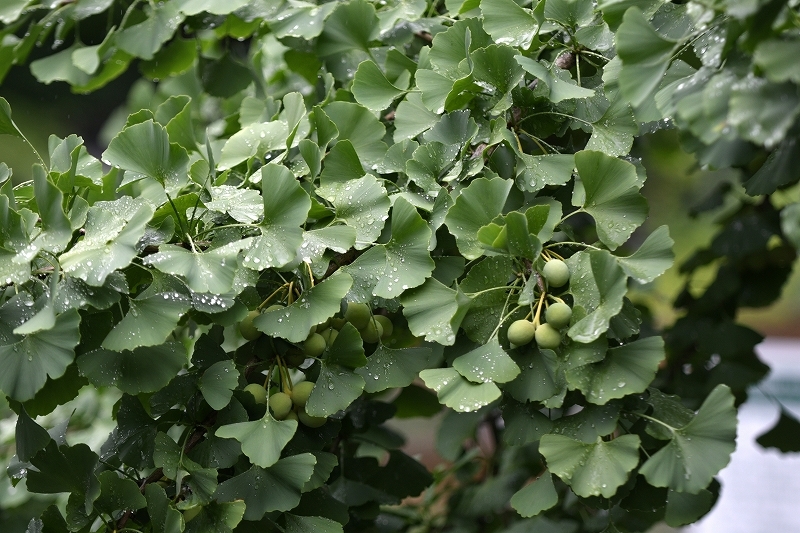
521	332
357	314
558	315
547	336
372	332
246	327
386	324
314	345
259	392
556	272
280	403
301	392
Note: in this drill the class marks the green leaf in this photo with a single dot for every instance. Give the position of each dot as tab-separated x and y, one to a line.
314	306
305	21
164	517
524	423
763	112
407	262
451	47
453	128
542	170
782	436
113	230
645	56
29	437
435	311
572	13
481	284
412	117
778	170
364	131
145	149
215	7
56	229
497	74
11	10
212	271
217	517
560	87
254	139
65	469
145	369
508	23
433	162
59	67
684	508
598	285
283	481
361	204
541	380
388	368
477	205
487	363
371	88
458	393
611	196
218	382
536	497
242	205
149	321
698	450
28	361
311	524
614	131
627	369
338	383
591	469
118	493
167	455
176	57
262	440
145	39
286	207
7	125
591	422
339	238
790	223
350	27
777	59
652	258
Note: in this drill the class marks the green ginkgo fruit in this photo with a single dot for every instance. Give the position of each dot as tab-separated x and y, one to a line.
259	392
246	327
357	314
386	325
558	315
301	392
310	421
281	404
556	272
547	337
521	332
314	345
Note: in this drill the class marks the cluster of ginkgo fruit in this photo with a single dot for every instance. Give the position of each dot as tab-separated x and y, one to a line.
289	403
557	315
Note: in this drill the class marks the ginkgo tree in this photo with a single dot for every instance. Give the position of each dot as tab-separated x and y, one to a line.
332	214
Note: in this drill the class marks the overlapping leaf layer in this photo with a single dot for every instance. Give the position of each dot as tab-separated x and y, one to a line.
367	196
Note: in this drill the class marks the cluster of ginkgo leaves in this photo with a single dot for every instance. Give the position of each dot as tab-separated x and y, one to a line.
388	200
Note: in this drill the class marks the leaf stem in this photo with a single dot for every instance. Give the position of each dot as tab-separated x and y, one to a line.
570	243
651	419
